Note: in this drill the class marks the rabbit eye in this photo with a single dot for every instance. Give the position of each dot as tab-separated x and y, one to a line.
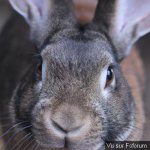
39	68
109	77
39	71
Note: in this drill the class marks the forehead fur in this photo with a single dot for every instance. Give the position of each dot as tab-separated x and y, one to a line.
79	57
81	48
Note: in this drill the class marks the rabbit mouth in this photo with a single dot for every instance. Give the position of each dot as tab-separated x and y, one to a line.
68	145
69	128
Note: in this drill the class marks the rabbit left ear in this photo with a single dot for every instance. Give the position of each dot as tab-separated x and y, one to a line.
127	21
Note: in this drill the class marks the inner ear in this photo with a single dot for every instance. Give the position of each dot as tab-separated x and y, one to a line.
124	21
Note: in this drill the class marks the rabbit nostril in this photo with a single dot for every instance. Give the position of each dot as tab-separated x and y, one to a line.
65	130
58	127
69	121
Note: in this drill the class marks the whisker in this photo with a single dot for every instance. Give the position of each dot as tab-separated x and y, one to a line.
118	137
17	133
7	124
37	147
8	141
34	146
7	131
20	141
137	113
132	127
28	144
24	142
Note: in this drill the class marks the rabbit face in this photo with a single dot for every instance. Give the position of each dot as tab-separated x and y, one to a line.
81	99
78	97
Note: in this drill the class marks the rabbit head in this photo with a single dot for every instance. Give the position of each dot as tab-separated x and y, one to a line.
76	96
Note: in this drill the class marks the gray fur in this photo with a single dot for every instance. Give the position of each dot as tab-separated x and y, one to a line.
69	110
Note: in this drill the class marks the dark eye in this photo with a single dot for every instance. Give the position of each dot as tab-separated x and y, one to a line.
109	77
39	70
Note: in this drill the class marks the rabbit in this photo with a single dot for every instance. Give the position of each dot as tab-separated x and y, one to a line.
75	95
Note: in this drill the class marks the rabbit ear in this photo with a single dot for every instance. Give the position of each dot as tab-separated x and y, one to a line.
45	16
125	20
31	9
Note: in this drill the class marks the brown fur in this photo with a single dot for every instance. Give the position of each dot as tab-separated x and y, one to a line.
133	71
132	66
133	76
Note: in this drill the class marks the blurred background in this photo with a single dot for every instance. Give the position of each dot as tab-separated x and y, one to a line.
143	46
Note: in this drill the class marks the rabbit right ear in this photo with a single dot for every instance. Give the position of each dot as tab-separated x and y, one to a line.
125	22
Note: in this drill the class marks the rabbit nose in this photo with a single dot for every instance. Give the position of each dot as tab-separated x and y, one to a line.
70	120
64	127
